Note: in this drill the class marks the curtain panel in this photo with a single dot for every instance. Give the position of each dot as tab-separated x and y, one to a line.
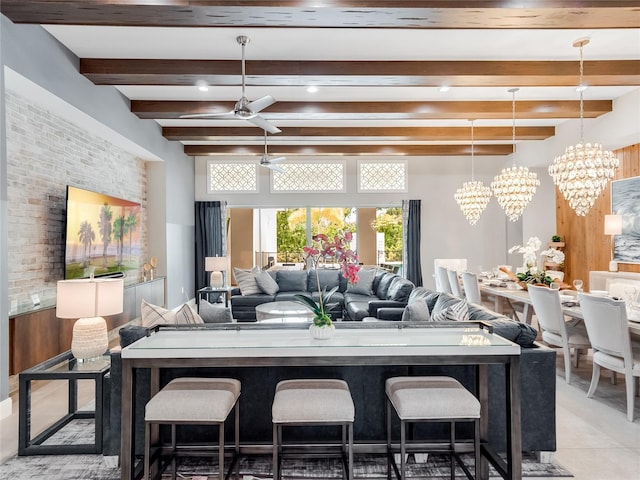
411	248
210	237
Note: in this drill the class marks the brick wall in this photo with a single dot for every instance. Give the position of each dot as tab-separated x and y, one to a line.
45	153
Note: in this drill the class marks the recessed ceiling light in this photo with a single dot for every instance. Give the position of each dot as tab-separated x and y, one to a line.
444	88
312	89
581	88
202	86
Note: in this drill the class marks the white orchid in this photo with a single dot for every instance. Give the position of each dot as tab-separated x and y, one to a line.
529	251
555	256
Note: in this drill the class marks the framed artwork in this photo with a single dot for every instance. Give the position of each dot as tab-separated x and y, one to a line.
625	201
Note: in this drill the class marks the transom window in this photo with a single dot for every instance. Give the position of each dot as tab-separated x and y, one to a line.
232	177
309	177
382	176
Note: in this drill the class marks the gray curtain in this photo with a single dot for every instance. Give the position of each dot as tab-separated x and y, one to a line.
210	226
411	248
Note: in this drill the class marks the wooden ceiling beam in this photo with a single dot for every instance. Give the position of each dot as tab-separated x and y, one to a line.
439	14
398	133
342	150
530	109
103	71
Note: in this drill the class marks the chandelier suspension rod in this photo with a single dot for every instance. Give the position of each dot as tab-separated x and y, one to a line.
581	88
472	155
513	122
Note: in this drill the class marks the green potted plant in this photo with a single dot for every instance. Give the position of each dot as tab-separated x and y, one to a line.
338	250
556	238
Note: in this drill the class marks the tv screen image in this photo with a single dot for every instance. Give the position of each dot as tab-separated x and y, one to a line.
102	234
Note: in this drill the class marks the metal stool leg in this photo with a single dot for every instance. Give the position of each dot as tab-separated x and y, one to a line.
147	449
403	449
350	435
174	460
452	439
276	473
221	451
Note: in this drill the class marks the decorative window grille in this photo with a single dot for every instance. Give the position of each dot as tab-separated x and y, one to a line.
382	176
232	177
310	177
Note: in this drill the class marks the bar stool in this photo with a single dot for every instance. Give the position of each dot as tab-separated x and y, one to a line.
185	401
431	399
313	402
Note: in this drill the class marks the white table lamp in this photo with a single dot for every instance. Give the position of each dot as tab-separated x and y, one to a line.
216	265
612	226
88	300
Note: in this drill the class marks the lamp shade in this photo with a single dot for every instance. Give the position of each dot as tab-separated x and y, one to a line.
612	224
89	298
215	264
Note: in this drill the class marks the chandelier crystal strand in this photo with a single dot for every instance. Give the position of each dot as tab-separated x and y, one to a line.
473	197
584	170
515	186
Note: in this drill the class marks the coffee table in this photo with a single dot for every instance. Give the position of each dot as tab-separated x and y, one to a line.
285	311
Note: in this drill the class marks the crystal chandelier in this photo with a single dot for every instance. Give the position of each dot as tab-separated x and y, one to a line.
515	186
473	197
584	170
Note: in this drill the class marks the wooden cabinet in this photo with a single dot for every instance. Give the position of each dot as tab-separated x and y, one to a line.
38	335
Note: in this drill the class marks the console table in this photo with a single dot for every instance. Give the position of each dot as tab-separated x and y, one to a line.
63	367
262	346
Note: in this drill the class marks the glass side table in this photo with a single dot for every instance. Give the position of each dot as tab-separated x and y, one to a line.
62	367
206	293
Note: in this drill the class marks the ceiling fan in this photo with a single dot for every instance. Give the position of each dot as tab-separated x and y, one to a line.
244	109
271	163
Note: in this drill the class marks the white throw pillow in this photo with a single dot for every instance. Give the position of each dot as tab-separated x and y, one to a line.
153	315
417	311
247	281
458	312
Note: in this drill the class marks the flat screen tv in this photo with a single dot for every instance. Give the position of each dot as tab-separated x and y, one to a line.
102	235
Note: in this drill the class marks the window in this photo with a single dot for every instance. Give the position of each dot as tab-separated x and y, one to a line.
382	176
232	177
310	177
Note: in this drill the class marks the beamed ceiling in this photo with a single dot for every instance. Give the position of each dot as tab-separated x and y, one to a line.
378	66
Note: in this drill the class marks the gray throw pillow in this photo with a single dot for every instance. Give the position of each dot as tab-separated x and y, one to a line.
211	313
364	285
417	311
247	281
266	283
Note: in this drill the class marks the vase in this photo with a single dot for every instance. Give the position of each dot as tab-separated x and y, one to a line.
322	332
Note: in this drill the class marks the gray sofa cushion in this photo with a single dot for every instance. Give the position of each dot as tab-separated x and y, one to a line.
328	279
520	333
247	281
292	280
444	300
416	311
399	289
211	313
383	286
365	282
267	283
456	312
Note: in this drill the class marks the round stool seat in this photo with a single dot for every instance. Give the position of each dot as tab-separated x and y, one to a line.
425	398
312	401
193	400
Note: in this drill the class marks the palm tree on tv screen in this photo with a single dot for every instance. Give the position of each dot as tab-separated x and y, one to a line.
130	224
119	233
86	235
105	230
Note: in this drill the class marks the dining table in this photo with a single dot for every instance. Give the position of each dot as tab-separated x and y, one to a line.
504	298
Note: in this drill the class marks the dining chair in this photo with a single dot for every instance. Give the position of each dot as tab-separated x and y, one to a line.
608	329
471	287
555	331
442	280
454	283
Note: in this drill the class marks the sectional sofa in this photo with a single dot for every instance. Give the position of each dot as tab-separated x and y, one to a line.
537	374
375	289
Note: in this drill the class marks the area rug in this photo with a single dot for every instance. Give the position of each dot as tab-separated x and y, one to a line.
94	467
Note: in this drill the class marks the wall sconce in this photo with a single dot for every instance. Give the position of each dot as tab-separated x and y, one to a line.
216	265
612	226
88	300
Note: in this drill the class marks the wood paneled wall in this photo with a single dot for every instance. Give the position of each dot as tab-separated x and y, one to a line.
588	248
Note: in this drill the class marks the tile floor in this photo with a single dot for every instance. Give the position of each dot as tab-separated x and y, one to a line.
595	440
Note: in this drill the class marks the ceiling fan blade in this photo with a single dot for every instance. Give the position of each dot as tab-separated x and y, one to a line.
277	160
261	103
275	168
258	121
210	115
